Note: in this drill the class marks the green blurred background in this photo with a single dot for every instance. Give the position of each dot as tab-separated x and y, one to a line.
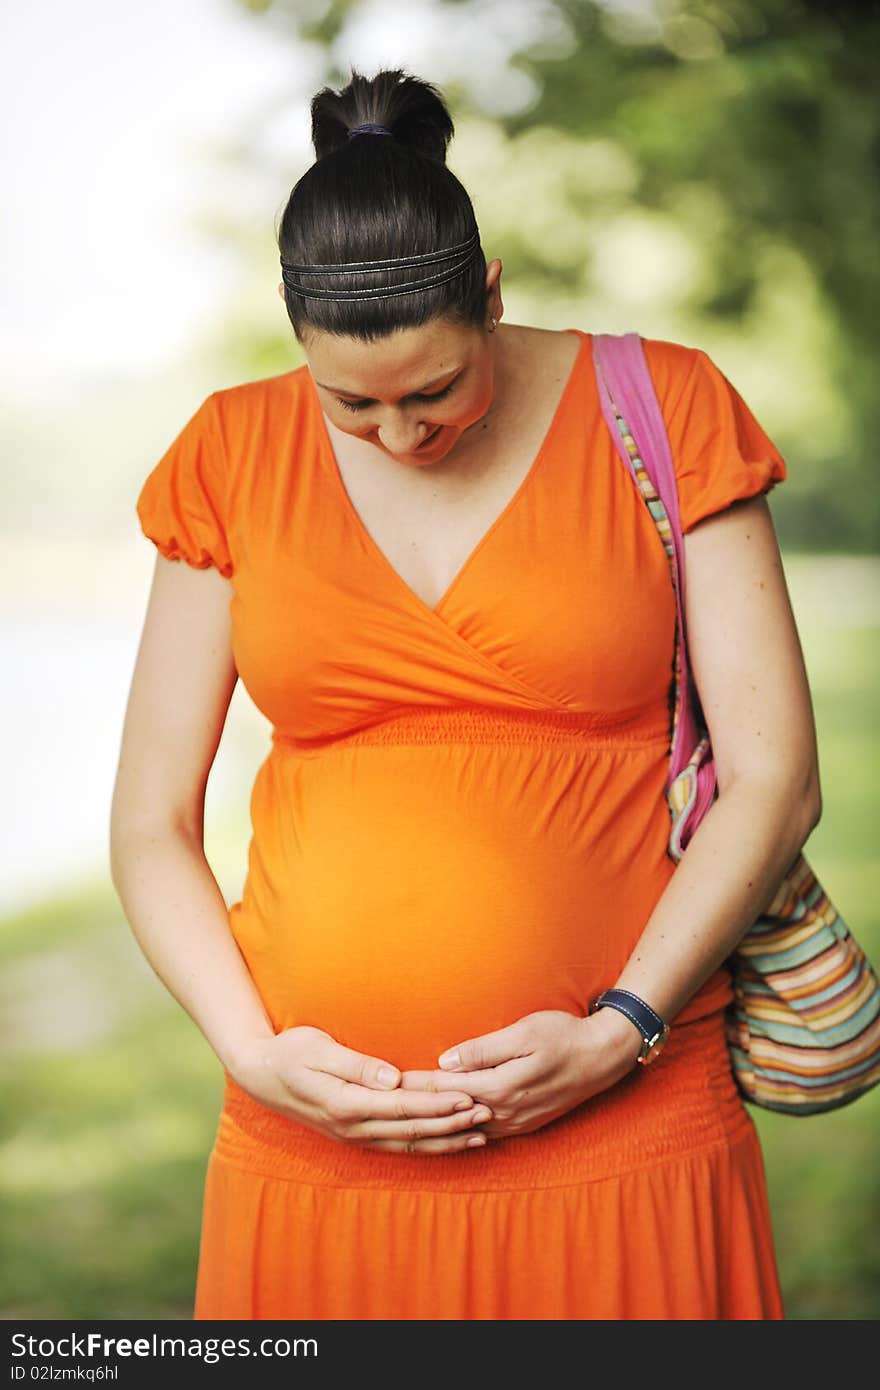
701	172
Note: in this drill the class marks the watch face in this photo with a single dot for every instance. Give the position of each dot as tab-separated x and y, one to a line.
654	1048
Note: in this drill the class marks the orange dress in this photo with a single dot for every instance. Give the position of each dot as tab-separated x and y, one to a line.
461	820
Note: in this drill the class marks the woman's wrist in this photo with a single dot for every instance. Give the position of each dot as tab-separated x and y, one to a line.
248	1058
617	1036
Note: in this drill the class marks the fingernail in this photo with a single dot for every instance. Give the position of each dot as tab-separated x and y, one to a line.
450	1060
463	1105
481	1114
386	1076
476	1141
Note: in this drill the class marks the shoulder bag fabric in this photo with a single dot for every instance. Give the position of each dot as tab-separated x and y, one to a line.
803	1030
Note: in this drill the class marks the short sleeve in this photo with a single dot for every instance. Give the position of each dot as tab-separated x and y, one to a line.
181	506
720	452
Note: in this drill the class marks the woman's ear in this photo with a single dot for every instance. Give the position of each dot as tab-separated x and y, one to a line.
494	302
281	290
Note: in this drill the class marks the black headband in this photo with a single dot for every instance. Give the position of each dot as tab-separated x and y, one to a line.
463	254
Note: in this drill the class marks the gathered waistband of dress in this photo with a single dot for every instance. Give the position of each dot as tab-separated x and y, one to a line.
482	724
686	1104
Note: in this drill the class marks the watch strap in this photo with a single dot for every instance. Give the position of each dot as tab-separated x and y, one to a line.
649	1023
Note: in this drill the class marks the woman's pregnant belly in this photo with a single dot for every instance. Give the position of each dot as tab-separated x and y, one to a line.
405	898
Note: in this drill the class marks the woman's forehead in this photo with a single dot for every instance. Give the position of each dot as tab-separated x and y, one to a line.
404	361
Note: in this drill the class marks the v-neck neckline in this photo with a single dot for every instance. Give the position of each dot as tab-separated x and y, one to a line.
328	456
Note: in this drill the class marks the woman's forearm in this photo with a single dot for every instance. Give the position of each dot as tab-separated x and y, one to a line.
728	875
179	918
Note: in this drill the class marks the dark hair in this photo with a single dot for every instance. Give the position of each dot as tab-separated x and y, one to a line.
374	197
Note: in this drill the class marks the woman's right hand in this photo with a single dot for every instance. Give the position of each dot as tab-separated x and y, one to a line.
306	1075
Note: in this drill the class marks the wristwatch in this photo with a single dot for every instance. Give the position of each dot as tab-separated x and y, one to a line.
650	1024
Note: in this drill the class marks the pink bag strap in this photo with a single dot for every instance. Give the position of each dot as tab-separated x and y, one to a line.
629	404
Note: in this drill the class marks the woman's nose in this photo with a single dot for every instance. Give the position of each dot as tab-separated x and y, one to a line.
402	436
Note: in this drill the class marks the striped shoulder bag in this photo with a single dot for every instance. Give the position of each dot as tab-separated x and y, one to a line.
803	1030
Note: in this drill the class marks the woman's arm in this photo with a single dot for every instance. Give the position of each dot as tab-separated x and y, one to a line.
183	681
748	666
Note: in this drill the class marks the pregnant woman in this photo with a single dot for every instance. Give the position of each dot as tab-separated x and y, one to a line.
424	558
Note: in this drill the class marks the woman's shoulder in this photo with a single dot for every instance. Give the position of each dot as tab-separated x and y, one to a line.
265	416
670	352
263	396
690	384
671	364
675	368
720	451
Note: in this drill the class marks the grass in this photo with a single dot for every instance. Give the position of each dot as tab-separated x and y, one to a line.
104	1139
112	1095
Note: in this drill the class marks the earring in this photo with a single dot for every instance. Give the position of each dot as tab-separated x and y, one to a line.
493	325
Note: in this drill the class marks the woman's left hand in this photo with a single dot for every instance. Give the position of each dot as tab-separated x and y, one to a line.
536	1069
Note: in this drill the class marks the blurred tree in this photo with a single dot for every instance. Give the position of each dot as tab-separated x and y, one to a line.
753	128
773	107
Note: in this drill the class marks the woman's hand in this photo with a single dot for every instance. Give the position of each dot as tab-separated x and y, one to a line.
304	1074
537	1068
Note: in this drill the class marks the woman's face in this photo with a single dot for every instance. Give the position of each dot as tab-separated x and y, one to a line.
412	394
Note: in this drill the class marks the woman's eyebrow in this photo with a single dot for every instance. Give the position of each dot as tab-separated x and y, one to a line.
427	386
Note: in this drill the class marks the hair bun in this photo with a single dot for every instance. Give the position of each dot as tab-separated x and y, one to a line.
412	110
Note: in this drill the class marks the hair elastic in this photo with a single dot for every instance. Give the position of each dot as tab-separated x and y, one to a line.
368	128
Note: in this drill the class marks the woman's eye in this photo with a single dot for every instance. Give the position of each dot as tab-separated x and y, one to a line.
438	395
362	405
